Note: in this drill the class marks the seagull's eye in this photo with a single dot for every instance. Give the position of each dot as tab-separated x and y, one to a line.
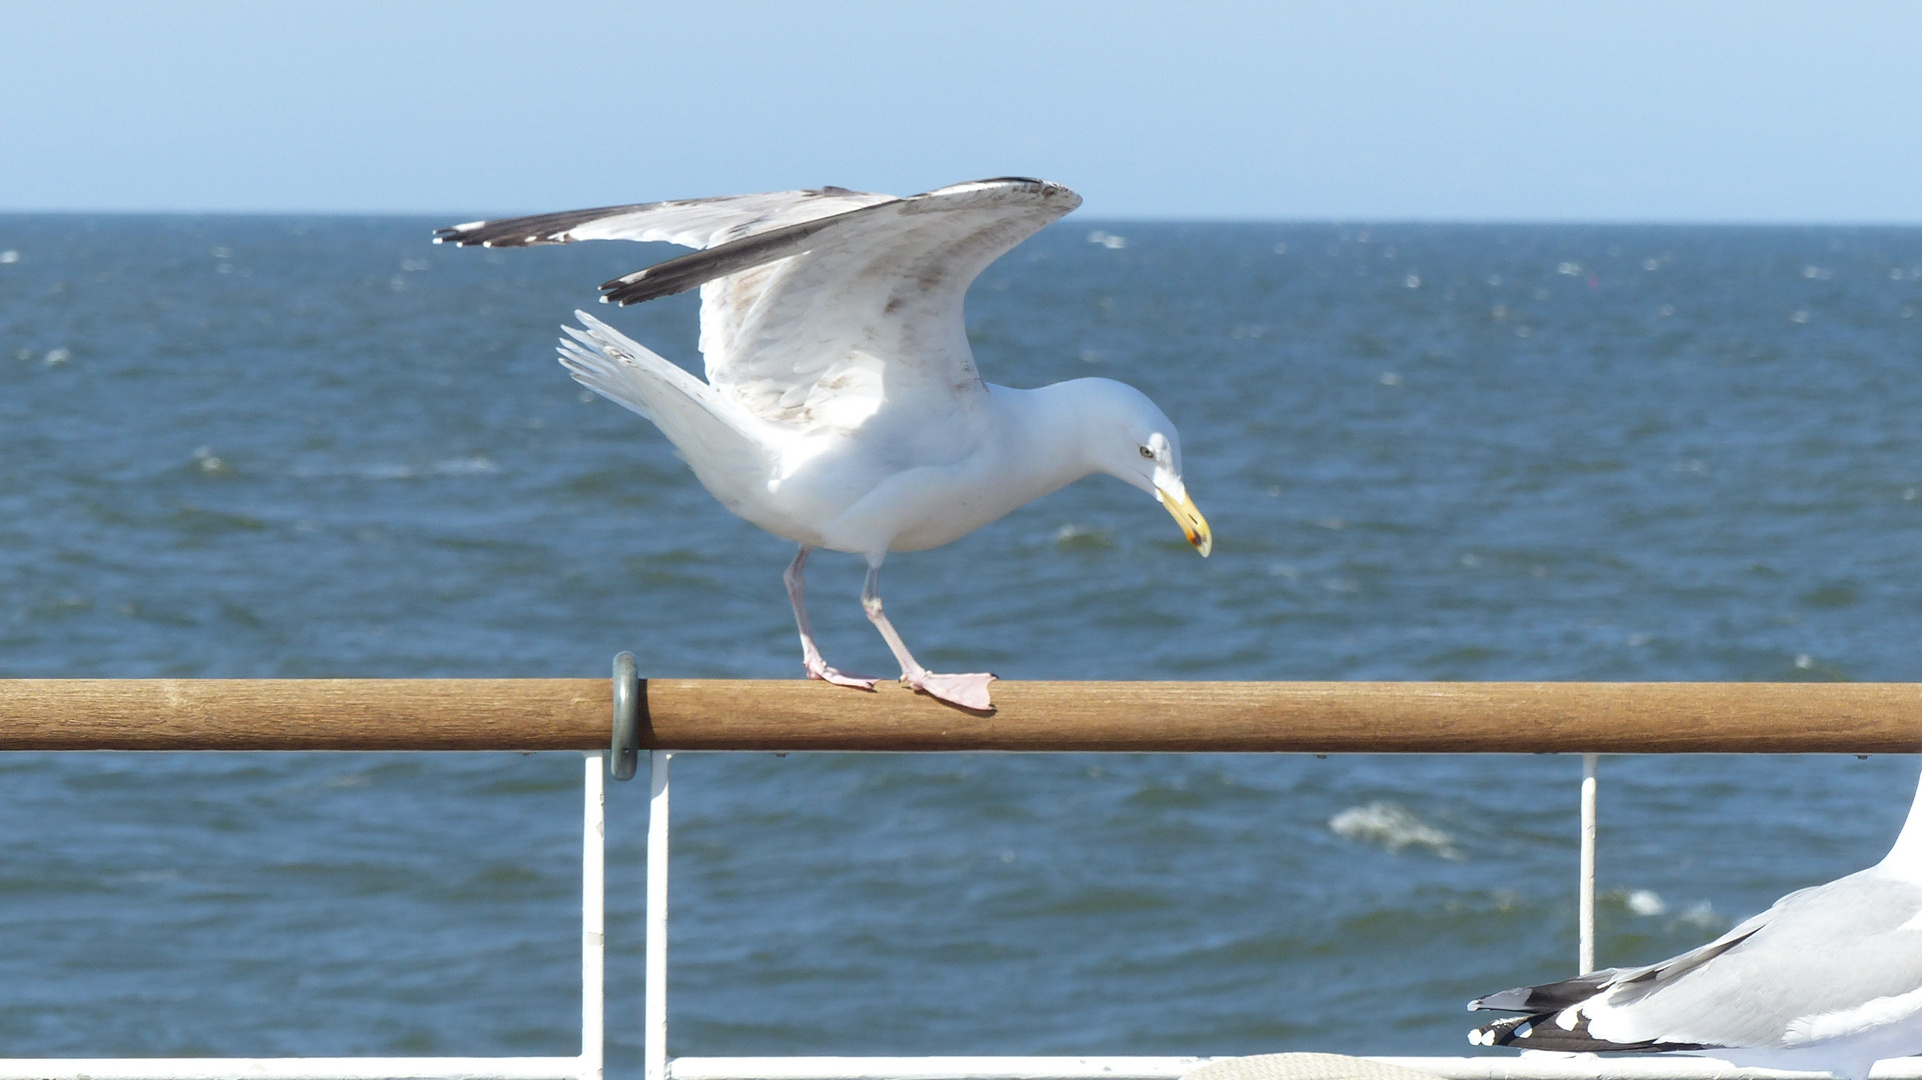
1147	453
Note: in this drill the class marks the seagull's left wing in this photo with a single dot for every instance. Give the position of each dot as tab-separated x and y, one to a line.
818	307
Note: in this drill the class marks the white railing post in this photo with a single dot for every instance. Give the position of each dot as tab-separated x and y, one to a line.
654	1018
1585	915
594	920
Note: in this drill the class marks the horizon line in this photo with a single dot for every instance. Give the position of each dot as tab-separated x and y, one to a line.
1140	219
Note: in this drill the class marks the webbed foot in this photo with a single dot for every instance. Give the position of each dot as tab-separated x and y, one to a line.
826	674
966	691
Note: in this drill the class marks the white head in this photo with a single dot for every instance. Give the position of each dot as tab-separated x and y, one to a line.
1132	440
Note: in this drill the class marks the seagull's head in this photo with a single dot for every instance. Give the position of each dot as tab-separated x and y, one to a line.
1135	441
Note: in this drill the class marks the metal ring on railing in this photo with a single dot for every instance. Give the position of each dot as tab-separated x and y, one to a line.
626	748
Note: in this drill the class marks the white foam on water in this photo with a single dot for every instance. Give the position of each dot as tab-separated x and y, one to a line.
1646	902
1700	913
1083	536
472	465
208	462
1393	827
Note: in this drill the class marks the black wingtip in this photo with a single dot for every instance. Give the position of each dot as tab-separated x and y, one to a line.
459	236
1561	1033
1501	1032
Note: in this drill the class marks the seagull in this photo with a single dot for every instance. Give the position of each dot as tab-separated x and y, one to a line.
1827	980
842	408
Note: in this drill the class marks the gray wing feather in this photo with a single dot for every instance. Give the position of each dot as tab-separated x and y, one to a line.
1822	950
695	223
1828	949
693	271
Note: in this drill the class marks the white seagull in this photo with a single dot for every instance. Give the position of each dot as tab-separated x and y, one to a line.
842	408
1827	980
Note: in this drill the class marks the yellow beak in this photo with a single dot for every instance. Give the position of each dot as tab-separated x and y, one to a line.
1193	525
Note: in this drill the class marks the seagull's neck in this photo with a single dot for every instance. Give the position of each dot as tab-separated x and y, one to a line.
1905	858
1045	433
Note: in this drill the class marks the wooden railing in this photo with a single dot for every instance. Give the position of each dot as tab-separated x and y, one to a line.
792	714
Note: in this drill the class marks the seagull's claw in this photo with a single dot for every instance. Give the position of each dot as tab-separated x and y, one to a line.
966	691
828	675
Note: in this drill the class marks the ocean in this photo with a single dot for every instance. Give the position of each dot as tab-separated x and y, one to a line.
303	447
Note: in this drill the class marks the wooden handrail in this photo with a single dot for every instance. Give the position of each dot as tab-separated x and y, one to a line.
791	714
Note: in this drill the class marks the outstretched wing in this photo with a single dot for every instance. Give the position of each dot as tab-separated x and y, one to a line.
820	307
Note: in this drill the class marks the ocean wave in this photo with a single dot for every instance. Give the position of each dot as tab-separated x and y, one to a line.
1393	827
472	465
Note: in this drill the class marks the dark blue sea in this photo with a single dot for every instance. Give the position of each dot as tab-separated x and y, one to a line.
294	447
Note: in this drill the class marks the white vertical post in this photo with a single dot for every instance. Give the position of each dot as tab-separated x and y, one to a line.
594	919
654	1020
1585	917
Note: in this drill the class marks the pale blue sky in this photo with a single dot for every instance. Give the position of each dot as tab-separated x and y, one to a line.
1761	112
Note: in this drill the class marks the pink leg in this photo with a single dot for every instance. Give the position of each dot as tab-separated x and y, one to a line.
817	668
967	691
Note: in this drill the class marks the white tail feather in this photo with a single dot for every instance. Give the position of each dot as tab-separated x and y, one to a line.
701	424
623	370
